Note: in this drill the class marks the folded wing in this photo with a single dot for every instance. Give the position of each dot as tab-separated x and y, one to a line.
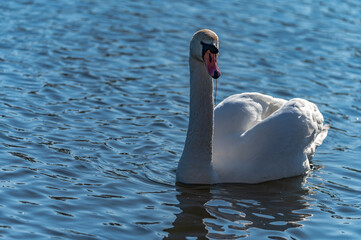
259	138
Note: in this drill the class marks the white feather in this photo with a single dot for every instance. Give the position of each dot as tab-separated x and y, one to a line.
260	138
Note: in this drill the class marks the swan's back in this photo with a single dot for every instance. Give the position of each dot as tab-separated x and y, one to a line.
259	138
240	112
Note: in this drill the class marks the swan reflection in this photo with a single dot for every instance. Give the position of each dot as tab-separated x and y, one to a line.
230	211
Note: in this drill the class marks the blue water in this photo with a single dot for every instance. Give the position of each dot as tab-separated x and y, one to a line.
94	111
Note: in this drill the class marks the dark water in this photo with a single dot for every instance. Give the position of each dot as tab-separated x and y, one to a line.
94	112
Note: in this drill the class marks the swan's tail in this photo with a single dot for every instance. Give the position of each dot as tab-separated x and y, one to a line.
310	151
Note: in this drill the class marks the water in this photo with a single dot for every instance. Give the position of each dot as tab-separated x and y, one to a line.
94	112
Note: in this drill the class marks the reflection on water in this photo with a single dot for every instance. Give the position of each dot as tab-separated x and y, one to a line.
190	221
231	211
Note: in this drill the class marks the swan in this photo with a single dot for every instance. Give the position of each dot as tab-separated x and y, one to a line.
248	137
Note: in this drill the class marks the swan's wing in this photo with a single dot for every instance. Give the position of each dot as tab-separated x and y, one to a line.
240	112
276	146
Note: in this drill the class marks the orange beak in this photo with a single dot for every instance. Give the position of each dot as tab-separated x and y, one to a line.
211	63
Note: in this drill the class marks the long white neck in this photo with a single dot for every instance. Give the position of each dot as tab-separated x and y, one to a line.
195	163
200	129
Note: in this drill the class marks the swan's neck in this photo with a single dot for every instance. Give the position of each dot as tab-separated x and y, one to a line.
200	129
195	163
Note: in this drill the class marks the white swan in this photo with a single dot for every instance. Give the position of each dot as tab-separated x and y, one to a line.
249	137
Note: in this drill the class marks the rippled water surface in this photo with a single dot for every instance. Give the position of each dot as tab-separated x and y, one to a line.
94	111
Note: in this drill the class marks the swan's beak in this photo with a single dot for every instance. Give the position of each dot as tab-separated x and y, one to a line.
210	60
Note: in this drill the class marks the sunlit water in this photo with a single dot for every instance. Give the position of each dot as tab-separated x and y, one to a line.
94	111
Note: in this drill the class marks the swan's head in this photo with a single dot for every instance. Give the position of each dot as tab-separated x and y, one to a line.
204	48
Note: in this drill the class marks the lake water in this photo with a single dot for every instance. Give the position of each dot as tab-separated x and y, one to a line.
94	112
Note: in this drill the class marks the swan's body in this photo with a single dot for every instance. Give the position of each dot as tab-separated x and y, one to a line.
249	137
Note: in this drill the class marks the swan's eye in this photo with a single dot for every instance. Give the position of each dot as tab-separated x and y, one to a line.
211	47
210	58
